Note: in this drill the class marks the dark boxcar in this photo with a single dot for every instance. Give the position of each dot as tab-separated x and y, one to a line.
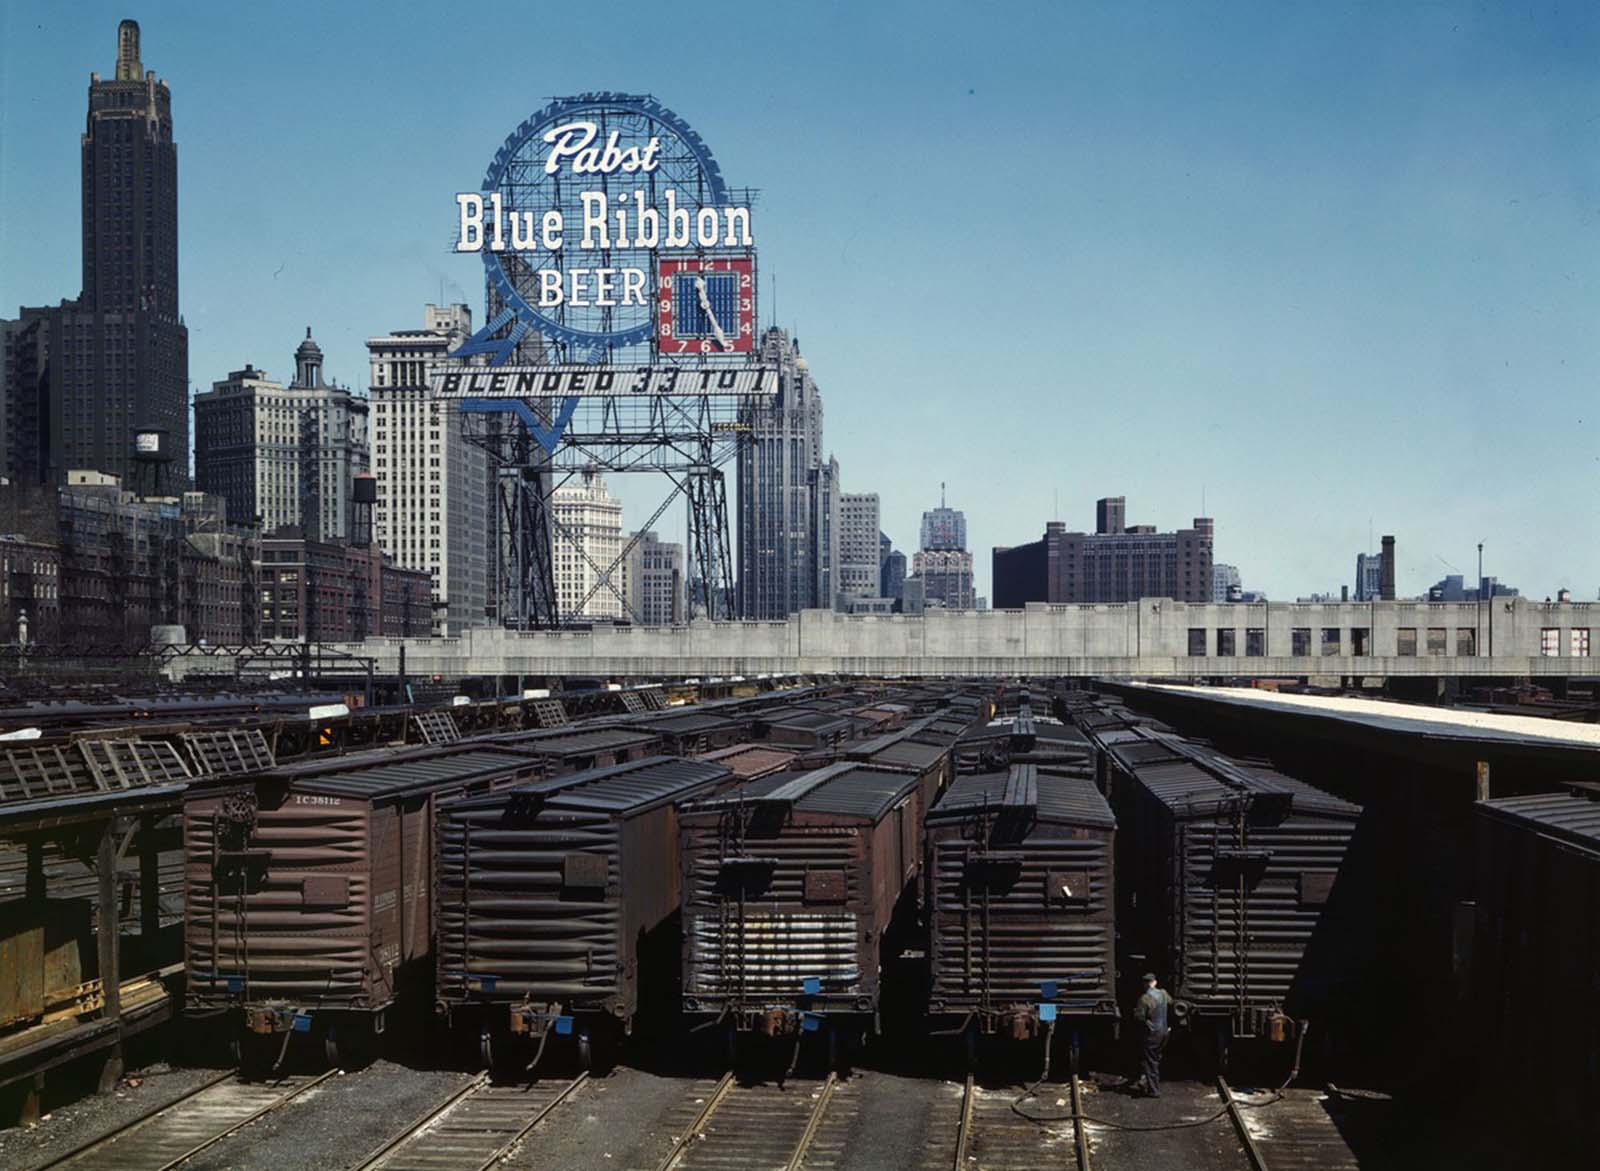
573	750
1021	736
558	905
1536	954
1020	905
1234	873
806	729
693	733
797	888
308	890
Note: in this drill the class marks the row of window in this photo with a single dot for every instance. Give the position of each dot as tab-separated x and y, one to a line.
1410	641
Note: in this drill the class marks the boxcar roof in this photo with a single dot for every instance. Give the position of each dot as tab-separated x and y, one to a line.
1565	815
1065	799
614	787
750	760
383	778
687	722
847	789
905	753
566	743
1192	778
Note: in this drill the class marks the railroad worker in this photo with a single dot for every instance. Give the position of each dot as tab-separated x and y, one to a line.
1151	1013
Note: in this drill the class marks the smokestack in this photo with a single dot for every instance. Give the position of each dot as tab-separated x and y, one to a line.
1386	572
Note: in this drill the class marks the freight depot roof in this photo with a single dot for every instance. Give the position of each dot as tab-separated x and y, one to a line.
749	761
617	788
1412	719
1193	778
1067	799
848	789
385	778
1574	817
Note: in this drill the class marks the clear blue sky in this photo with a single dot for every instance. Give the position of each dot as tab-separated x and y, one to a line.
1327	266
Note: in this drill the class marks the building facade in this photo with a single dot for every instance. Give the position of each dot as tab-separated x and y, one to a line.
860	550
946	577
283	456
783	555
1226	585
1118	563
434	492
586	542
654	581
324	591
1369	576
944	527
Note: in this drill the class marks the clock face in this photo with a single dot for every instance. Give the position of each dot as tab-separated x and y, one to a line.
706	305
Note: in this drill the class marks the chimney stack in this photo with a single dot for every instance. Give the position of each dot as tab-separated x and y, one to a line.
1386	573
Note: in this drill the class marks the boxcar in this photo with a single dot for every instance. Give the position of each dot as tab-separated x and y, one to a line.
558	906
796	889
573	750
692	733
1022	736
1234	873
1537	946
1020	906
308	892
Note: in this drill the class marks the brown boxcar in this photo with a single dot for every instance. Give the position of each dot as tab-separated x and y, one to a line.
558	907
796	889
692	733
1537	945
575	749
1234	872
749	762
308	890
1020	906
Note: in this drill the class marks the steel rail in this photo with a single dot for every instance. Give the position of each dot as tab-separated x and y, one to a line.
538	1117
963	1128
292	1092
1252	1152
812	1124
681	1143
91	1144
1080	1140
384	1151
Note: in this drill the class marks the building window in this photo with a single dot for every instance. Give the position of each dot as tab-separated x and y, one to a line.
1330	640
1550	641
1579	642
1255	642
1438	640
1227	645
1197	642
1405	642
1360	639
1300	642
1466	642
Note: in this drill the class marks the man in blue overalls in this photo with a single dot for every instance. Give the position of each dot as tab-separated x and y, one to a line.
1151	1013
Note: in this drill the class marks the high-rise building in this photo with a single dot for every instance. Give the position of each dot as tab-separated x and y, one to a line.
1369	576
116	360
287	455
1226	584
654	581
433	509
892	578
860	563
1119	563
943	564
784	490
585	542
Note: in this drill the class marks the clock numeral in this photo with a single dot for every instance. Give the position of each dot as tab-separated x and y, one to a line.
744	304
666	329
744	280
682	345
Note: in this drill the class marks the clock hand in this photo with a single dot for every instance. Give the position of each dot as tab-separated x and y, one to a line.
705	307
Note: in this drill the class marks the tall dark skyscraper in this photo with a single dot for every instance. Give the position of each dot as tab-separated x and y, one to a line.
116	361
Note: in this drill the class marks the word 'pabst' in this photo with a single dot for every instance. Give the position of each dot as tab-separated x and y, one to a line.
574	140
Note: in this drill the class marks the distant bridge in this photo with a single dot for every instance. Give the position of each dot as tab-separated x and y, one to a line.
1152	638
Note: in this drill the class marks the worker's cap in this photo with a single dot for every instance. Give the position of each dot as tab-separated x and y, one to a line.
1149	977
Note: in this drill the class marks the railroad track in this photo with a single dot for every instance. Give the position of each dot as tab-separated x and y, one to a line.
990	1134
172	1134
768	1125
1297	1132
474	1128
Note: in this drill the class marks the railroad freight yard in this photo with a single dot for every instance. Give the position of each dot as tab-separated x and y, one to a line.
804	922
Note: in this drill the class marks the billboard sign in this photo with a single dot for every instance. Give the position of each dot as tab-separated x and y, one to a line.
604	221
592	381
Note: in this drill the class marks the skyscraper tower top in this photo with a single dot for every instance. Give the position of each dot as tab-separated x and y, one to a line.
944	527
308	362
129	67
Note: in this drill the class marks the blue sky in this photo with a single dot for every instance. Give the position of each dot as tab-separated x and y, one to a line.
1328	268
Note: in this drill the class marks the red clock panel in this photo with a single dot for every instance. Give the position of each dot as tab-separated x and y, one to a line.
706	305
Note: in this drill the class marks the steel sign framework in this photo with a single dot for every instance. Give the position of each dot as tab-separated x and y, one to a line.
605	227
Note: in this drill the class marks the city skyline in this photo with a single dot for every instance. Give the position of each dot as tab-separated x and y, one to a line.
1369	235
